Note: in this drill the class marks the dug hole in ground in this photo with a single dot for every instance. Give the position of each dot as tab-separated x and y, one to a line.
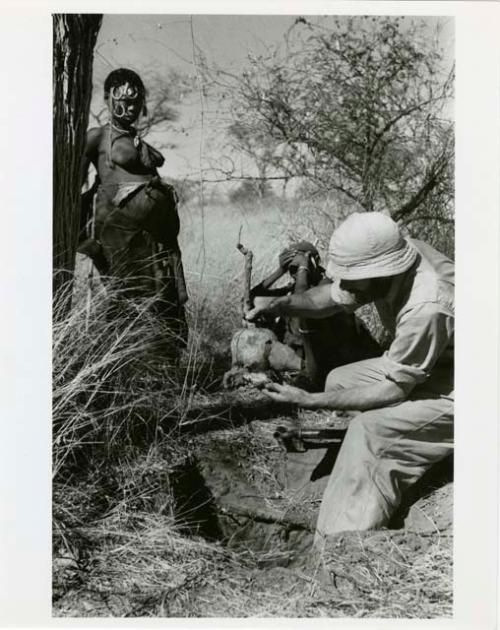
237	495
240	486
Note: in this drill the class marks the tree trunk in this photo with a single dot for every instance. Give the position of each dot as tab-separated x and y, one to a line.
74	38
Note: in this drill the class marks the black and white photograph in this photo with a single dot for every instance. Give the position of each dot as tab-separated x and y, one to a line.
253	246
253	316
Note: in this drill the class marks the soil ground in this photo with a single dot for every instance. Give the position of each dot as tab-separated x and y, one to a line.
244	511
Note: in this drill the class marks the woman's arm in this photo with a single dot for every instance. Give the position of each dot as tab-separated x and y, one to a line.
90	152
263	288
301	279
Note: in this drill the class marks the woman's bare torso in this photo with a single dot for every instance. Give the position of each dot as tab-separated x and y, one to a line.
123	162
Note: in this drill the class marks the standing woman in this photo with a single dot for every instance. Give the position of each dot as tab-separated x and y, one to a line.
136	221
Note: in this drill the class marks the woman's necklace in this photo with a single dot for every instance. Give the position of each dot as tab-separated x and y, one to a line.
142	147
132	132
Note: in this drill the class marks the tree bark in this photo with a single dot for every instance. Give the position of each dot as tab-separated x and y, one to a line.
74	38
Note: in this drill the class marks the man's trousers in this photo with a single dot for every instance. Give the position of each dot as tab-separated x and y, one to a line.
385	450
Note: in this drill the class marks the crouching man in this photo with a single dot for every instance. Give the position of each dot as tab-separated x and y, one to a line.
405	396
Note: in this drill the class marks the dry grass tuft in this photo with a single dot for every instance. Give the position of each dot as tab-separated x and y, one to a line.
143	567
393	573
106	377
139	566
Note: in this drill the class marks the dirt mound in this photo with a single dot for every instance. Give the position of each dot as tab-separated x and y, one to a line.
433	512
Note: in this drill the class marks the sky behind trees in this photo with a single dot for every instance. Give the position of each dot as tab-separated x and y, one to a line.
154	45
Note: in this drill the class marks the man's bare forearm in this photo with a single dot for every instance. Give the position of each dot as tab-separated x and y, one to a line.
314	303
363	398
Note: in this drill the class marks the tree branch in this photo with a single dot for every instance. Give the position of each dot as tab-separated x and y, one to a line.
419	197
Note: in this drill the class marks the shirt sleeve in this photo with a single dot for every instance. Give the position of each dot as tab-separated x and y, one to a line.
421	337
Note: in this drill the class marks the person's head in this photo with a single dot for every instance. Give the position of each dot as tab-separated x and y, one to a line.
302	253
125	95
366	251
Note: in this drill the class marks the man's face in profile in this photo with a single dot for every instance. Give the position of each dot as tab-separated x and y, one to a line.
367	290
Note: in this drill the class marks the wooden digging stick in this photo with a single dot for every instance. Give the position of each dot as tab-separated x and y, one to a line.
247	301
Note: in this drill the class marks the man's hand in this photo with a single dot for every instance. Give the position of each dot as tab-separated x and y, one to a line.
253	314
266	306
286	394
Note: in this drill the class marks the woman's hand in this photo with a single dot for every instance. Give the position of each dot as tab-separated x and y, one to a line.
299	260
286	257
286	394
290	259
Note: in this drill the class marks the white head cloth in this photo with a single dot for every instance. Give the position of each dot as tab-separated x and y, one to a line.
368	245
